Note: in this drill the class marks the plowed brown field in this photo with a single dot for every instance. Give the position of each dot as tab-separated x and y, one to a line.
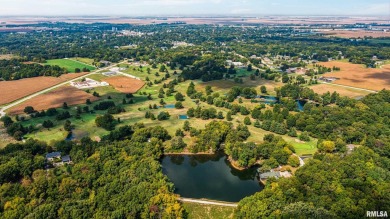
54	99
14	90
359	76
356	34
125	84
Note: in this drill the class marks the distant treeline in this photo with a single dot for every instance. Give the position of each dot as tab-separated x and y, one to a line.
15	69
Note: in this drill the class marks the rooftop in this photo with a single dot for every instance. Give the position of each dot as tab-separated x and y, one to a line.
53	154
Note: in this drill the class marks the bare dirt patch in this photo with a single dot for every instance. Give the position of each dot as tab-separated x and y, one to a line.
356	33
14	90
343	91
54	99
7	56
4	137
125	84
359	76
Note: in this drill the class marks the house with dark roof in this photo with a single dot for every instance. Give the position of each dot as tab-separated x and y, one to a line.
56	159
267	175
66	159
53	156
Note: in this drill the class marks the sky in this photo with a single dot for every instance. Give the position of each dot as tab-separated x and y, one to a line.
193	7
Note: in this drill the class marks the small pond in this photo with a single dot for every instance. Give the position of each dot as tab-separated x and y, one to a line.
210	177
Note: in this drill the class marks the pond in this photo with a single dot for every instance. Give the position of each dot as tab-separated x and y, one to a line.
273	100
183	117
210	177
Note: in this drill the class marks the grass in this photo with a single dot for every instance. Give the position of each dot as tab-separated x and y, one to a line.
136	112
83	127
242	72
87	61
69	64
97	77
304	147
200	211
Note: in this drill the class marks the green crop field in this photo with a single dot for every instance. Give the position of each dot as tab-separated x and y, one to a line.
69	64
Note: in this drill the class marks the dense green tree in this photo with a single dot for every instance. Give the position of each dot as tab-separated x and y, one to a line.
106	121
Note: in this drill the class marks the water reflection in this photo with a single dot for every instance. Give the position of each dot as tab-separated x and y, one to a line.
209	176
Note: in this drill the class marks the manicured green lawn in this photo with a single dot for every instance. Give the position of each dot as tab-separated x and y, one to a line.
69	64
200	211
305	148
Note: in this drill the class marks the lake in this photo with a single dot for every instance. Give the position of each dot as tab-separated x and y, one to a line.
210	177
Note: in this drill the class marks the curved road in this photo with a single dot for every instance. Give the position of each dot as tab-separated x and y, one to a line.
4	108
208	202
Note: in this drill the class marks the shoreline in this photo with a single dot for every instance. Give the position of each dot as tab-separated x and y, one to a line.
187	153
234	165
231	161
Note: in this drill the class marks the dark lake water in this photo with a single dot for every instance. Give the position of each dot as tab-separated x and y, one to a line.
210	176
273	100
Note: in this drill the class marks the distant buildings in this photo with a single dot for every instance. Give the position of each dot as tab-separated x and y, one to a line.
105	63
88	83
296	70
328	79
235	64
181	44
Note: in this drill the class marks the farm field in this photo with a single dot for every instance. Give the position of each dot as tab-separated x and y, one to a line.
359	76
54	99
14	90
69	64
343	91
356	34
125	84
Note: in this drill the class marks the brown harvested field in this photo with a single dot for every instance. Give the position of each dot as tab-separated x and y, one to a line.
125	84
343	91
359	76
356	34
54	99
14	90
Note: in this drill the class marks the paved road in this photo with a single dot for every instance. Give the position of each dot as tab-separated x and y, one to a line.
208	202
4	108
301	162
